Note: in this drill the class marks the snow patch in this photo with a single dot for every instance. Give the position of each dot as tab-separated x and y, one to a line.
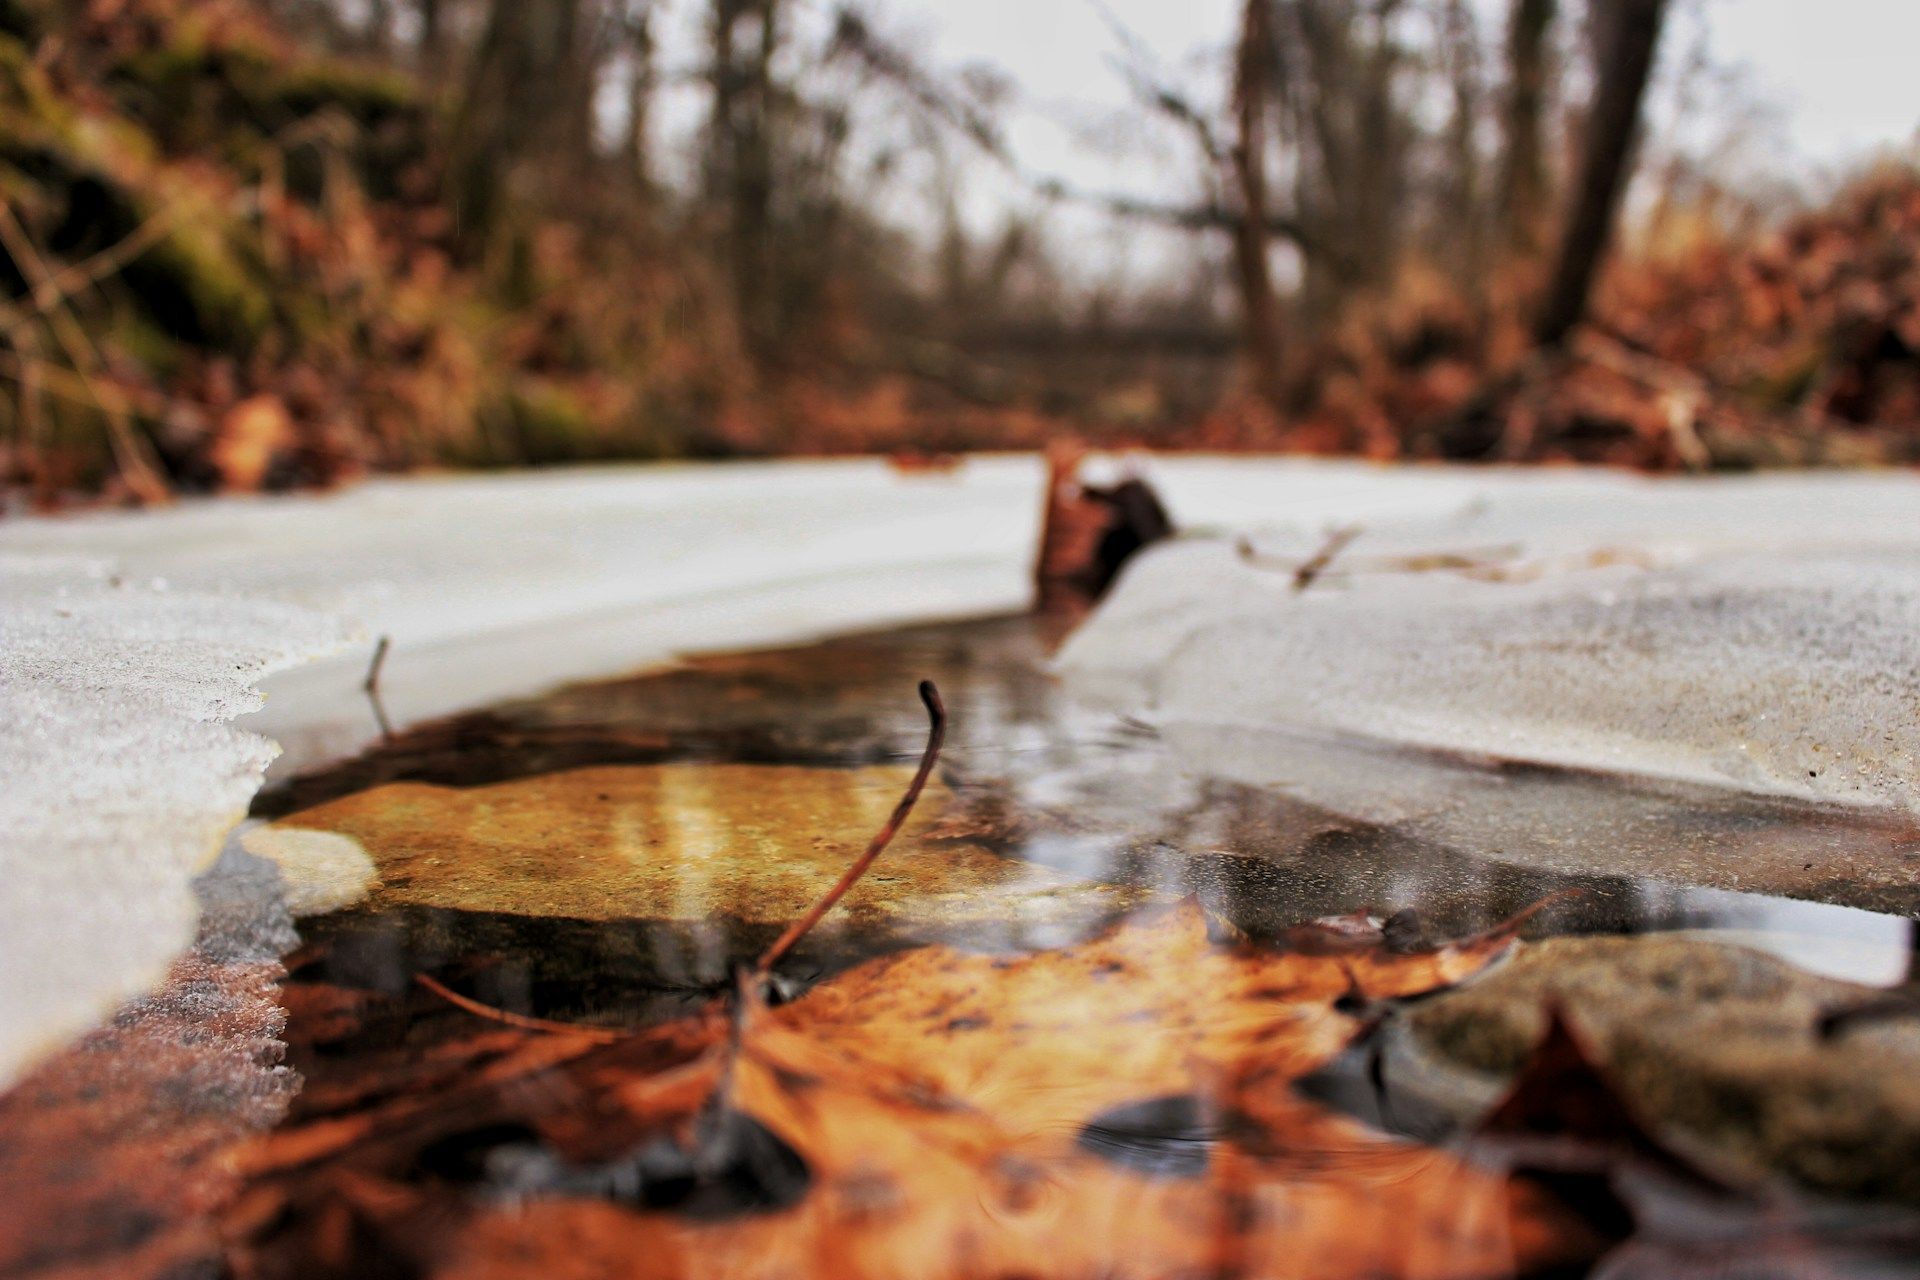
121	777
1762	634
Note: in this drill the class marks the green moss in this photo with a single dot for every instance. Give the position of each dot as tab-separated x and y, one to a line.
370	95
204	90
1789	380
29	108
540	422
201	283
136	336
190	91
204	280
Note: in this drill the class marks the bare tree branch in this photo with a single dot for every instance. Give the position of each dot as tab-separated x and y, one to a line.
855	37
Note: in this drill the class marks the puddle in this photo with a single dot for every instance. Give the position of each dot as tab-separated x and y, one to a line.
606	855
1041	781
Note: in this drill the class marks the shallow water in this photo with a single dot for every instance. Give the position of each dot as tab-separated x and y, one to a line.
1057	788
601	856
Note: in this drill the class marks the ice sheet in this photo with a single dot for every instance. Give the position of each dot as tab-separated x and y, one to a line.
1762	633
122	774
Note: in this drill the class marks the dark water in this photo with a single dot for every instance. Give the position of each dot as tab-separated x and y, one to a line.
1084	797
1096	796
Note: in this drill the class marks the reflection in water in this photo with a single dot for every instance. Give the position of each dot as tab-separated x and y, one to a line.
1834	942
1281	831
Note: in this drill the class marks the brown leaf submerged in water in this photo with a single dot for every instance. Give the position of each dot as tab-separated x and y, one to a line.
1122	1107
691	841
1119	1108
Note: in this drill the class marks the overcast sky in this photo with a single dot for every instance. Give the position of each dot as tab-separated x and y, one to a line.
1844	72
1835	81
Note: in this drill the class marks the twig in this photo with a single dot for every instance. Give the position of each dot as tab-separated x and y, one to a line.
710	1148
752	981
136	467
855	37
1305	572
1683	391
59	381
1135	66
371	687
372	683
520	1020
936	734
30	417
1311	568
70	280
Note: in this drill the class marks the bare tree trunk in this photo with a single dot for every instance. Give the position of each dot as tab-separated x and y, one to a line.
1523	167
431	45
1462	240
740	154
1381	145
641	84
1630	34
1354	137
377	29
525	115
1252	101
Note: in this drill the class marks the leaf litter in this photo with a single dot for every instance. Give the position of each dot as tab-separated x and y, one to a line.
1123	1106
1134	1104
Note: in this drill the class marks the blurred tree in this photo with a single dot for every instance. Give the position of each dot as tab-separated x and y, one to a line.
1523	162
1355	139
1254	99
1461	206
637	19
1627	37
742	137
524	124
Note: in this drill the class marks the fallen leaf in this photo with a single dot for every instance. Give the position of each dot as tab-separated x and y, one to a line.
1119	1108
251	435
1088	533
693	842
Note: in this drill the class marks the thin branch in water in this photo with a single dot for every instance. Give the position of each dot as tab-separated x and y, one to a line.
752	982
519	1020
936	734
711	1150
371	686
372	683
